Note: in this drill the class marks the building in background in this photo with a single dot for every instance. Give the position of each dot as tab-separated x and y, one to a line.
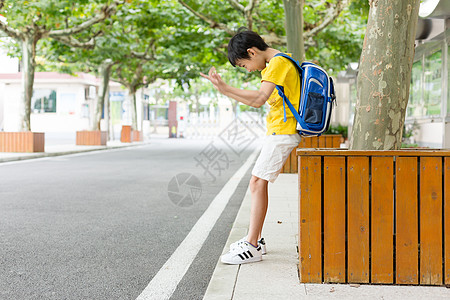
428	111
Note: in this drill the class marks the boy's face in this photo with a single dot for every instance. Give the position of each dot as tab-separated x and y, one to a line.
256	62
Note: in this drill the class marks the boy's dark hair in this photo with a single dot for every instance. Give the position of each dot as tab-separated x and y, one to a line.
243	40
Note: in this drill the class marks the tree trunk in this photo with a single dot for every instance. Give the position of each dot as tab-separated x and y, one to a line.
293	12
109	127
28	61
105	71
384	75
132	101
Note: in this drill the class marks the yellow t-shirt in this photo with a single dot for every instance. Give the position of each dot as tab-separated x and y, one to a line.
282	72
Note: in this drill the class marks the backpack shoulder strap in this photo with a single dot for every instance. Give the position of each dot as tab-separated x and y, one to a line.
281	88
295	62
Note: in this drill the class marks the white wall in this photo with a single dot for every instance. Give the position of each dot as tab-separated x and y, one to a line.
11	96
7	64
430	135
340	114
45	122
2	91
447	136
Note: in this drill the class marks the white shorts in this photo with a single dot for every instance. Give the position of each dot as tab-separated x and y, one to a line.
274	153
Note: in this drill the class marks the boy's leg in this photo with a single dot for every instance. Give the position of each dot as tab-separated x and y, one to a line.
259	192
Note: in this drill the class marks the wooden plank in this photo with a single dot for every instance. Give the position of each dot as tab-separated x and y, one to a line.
334	219
407	243
310	220
329	141
382	220
336	141
447	219
345	152
358	219
322	141
287	165
314	141
302	143
431	220
307	142
293	157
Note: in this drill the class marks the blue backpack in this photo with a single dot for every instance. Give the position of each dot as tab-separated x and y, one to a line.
316	98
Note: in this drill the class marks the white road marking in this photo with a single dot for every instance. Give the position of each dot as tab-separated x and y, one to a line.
166	280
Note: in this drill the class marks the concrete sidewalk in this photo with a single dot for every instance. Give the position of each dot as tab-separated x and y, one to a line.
276	277
56	150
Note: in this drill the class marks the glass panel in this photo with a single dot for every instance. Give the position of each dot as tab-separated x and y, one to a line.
448	81
43	100
433	84
415	103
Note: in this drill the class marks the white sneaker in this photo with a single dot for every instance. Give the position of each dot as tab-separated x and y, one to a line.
261	243
241	254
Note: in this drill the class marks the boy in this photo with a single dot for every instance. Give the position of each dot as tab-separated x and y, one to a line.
248	50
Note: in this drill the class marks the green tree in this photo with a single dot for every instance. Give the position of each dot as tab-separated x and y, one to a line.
131	75
129	34
384	75
269	18
28	22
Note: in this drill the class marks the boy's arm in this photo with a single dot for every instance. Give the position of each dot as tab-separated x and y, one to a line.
248	97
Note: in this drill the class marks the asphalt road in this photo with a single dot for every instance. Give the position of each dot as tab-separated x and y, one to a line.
101	225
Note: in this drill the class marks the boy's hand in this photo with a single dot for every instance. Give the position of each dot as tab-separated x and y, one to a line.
215	79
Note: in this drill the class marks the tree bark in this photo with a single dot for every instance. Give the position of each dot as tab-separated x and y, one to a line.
384	75
293	11
29	65
132	100
105	71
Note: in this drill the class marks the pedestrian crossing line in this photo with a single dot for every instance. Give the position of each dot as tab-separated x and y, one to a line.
169	276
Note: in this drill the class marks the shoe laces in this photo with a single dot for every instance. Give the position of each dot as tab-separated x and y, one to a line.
240	247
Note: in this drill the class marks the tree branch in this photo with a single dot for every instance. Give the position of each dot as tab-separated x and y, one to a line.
120	77
212	23
248	13
137	79
221	52
72	42
272	38
11	32
145	55
105	12
237	5
331	14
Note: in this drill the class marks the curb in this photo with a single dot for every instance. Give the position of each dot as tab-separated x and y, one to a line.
50	154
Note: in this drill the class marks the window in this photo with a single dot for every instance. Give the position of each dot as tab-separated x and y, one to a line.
432	88
425	95
43	101
415	103
448	81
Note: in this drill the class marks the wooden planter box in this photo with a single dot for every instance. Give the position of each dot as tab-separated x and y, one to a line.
323	141
374	216
137	136
125	135
22	141
94	138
